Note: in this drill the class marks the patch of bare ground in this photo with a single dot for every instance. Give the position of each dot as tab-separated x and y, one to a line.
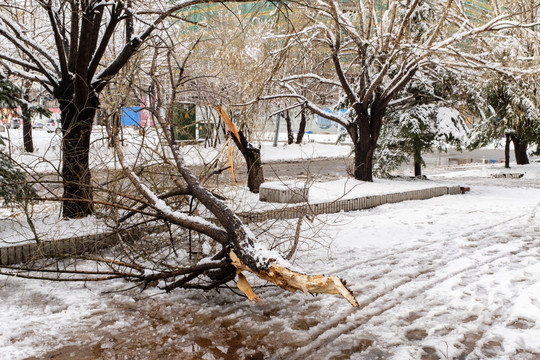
429	354
159	330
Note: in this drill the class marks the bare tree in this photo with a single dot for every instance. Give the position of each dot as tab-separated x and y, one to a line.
78	47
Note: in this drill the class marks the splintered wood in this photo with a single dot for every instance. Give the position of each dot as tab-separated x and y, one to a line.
228	122
292	281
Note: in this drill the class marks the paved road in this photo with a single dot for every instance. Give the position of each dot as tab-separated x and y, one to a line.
333	168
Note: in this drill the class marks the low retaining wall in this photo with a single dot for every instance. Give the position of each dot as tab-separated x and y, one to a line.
366	202
92	243
71	246
79	245
284	193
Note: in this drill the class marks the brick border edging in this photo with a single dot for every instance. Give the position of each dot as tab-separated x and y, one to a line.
361	203
91	243
77	245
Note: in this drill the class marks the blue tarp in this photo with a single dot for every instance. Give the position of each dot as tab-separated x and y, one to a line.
130	116
324	123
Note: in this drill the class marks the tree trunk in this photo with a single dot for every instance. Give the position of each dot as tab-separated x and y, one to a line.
76	177
507	152
364	134
290	135
252	155
363	162
302	127
255	170
27	121
27	129
520	150
417	157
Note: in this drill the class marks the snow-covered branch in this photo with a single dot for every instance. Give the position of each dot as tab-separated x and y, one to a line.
26	46
312	76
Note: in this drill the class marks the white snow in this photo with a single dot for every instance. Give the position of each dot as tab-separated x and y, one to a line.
14	228
349	188
48	147
303	152
453	276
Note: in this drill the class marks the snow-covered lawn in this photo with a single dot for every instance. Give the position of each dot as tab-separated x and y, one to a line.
47	155
450	277
48	224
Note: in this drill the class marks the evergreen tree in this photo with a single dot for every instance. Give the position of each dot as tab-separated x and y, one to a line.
13	185
9	93
423	124
509	111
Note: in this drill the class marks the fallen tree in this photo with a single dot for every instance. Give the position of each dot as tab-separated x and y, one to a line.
188	211
239	248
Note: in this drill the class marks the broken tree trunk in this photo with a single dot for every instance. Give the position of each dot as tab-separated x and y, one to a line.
252	155
239	249
292	281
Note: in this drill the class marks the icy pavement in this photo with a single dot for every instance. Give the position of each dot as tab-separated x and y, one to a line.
453	277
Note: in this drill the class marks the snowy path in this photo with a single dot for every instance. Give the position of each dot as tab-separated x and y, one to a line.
432	298
454	277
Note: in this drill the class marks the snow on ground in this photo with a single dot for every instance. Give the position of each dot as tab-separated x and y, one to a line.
529	172
450	277
309	150
326	191
453	277
47	222
351	188
48	225
47	155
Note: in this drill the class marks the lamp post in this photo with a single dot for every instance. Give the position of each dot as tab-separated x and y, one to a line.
277	129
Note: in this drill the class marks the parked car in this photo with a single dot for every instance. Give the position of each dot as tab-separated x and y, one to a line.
53	125
16	123
36	124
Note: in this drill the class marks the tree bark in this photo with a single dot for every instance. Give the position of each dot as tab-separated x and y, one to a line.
290	135
252	155
302	127
27	121
364	134
417	156
363	162
76	176
520	150
507	152
27	129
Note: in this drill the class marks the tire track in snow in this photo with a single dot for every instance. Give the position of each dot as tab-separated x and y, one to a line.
385	263
370	308
476	343
350	323
423	246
